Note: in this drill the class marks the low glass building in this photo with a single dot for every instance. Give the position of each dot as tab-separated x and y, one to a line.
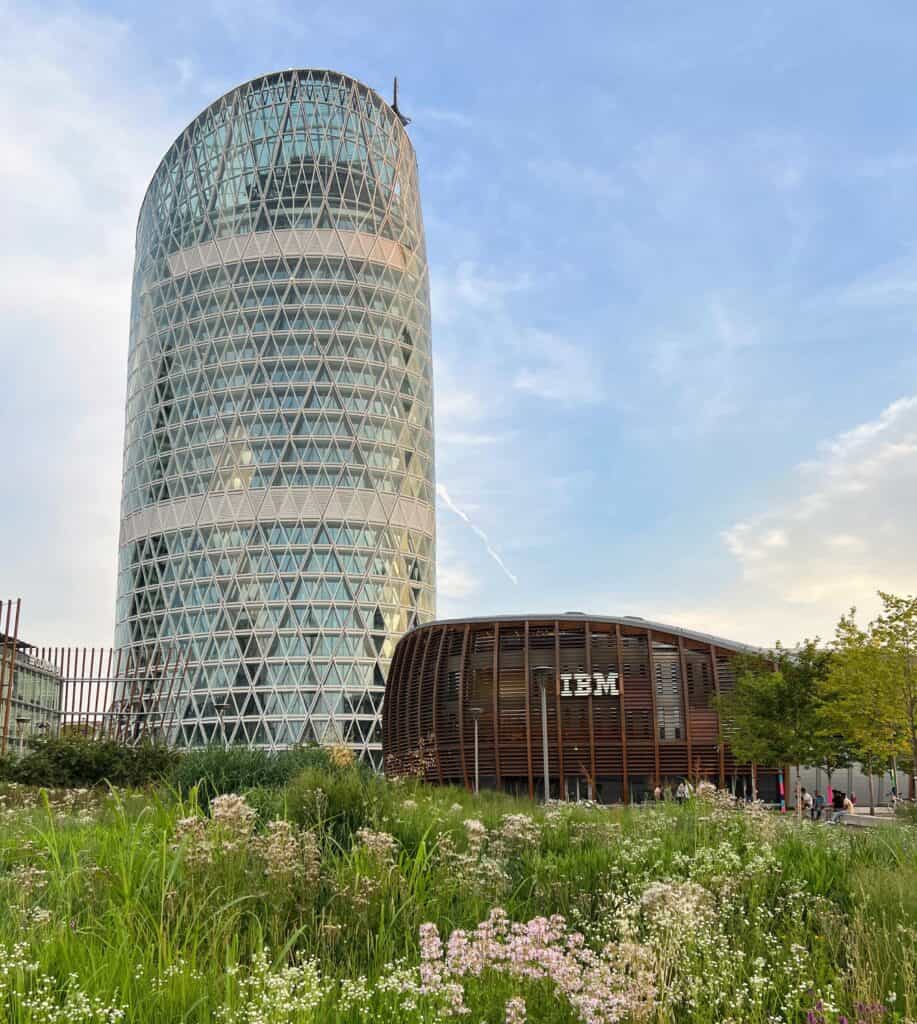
32	705
277	507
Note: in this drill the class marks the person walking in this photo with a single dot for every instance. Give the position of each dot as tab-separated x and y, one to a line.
807	802
657	794
819	807
681	792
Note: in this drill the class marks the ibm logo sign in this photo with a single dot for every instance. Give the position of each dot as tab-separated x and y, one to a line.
581	684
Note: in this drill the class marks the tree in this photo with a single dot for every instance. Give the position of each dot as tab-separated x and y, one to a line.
771	716
833	750
860	699
801	673
895	631
743	710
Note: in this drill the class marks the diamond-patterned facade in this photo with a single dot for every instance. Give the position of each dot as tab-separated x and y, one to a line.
277	505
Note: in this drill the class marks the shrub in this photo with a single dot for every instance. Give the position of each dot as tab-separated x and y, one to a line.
269	801
75	760
907	812
335	802
216	770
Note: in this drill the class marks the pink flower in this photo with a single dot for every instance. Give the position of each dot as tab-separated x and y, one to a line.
604	987
515	1011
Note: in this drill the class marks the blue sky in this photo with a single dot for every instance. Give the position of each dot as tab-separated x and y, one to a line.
674	261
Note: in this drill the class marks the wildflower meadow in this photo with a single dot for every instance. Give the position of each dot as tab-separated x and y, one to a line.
335	896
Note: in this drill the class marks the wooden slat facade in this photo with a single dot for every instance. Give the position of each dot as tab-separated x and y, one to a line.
451	679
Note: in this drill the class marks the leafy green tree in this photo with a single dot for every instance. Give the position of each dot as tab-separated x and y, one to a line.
801	673
771	716
833	750
861	699
895	631
743	710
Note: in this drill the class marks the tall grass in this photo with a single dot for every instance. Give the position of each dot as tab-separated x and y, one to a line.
152	907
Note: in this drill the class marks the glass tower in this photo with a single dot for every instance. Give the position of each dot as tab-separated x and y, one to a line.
277	519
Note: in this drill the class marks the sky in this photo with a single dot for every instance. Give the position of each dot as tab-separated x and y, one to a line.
673	253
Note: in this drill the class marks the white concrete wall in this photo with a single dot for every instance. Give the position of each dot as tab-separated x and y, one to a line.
851	780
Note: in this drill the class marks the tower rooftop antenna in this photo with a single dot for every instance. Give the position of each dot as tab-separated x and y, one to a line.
404	120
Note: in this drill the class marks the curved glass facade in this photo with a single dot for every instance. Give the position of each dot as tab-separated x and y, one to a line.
277	507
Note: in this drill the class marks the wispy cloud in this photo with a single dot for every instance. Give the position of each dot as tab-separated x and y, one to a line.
454	582
837	530
846	531
705	366
450	118
77	154
471	289
444	496
558	370
469	440
580	178
493	366
184	67
320	21
891	285
491	307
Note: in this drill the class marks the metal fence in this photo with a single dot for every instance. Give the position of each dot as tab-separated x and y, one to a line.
94	691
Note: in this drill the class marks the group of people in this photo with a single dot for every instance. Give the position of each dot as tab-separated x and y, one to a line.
815	806
683	791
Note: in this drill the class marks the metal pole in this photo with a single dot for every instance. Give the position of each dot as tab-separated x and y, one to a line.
542	673
477	765
544	740
220	708
21	723
9	641
476	717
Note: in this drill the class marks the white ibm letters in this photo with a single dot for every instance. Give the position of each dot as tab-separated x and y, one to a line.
581	684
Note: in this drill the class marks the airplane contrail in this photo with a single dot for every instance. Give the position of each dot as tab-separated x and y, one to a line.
451	505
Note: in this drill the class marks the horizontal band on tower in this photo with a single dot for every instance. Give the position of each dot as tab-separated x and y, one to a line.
292	242
279	503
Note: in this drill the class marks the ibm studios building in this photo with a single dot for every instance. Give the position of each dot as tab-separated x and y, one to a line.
616	705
